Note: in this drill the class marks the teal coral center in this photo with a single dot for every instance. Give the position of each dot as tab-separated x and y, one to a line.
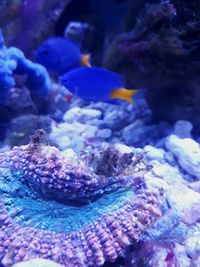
29	208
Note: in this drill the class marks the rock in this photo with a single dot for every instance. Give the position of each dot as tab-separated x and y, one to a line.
154	153
196	261
57	101
155	255
153	182
195	186
37	263
123	149
188	153
192	244
185	201
183	129
117	118
104	133
70	155
19	102
170	158
168	228
136	134
74	135
80	32
164	255
22	127
167	172
182	258
83	115
140	134
134	48
78	136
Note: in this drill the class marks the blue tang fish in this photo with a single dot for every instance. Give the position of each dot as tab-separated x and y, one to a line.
97	84
60	55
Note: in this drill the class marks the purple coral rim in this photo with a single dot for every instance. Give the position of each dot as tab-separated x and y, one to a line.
94	243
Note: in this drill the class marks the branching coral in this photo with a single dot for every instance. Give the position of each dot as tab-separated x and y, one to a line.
13	61
55	208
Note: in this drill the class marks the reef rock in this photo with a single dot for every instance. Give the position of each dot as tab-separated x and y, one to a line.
185	201
187	152
139	133
78	135
72	135
183	129
153	153
192	244
21	128
167	172
151	254
37	263
83	115
155	32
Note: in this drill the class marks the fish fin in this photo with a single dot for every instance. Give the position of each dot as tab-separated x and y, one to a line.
85	60
124	94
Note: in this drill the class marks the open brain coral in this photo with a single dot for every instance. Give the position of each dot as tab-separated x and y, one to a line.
58	208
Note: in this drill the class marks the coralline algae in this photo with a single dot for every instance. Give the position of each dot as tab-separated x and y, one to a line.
13	61
62	210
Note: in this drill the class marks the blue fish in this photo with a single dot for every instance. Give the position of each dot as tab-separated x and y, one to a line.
60	55
97	84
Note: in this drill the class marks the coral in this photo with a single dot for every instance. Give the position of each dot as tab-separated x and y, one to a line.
13	61
60	209
69	180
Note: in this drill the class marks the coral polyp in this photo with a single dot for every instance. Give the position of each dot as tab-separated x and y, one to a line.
58	208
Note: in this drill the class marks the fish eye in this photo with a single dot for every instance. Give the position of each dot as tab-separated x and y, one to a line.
44	52
64	81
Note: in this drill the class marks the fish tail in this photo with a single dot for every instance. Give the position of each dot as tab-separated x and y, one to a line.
85	60
124	94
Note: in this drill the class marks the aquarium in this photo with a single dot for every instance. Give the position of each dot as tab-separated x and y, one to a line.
99	133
